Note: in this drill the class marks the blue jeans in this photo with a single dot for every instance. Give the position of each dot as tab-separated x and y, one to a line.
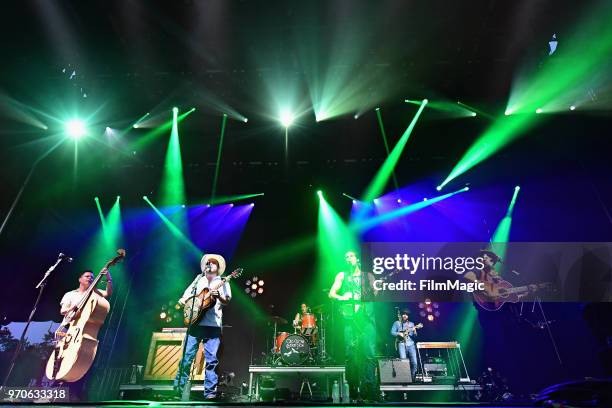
409	350
211	346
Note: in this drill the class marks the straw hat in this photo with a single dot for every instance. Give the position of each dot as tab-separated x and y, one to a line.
216	257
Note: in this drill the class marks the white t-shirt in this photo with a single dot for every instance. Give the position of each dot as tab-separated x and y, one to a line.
70	299
214	316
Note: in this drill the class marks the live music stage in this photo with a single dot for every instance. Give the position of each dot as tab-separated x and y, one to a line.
306	203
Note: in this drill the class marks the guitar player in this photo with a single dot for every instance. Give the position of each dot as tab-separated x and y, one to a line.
404	330
359	329
208	330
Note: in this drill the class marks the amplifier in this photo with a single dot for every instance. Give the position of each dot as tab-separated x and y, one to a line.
437	368
164	356
394	371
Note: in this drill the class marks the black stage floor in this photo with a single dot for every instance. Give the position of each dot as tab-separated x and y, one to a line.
144	403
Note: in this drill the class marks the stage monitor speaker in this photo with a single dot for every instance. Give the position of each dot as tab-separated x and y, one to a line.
394	371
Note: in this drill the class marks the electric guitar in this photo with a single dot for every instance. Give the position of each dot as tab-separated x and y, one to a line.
401	335
196	306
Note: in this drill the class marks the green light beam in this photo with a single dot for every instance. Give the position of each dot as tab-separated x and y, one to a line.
175	231
583	53
350	197
379	182
334	239
230	199
101	214
218	163
158	131
475	110
135	124
501	236
172	191
384	135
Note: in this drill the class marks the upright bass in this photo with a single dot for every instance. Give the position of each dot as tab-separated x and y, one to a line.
76	342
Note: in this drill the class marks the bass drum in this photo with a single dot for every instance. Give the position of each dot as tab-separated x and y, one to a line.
295	350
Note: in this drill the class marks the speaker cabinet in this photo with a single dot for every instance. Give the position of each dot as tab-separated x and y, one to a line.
394	371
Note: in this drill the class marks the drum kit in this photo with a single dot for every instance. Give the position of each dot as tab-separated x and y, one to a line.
305	346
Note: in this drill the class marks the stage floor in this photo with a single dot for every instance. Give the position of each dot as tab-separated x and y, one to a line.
147	403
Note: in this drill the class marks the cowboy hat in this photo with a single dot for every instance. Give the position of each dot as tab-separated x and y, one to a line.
216	257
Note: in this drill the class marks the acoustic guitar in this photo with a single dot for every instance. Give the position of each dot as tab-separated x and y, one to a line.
196	306
501	291
76	340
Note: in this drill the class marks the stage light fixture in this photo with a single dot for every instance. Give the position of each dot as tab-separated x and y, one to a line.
108	129
439	188
517	188
399	200
254	287
175	110
321	115
552	45
245	120
572	108
286	118
539	110
75	129
473	114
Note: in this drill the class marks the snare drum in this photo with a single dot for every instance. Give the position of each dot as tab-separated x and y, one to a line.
309	324
280	337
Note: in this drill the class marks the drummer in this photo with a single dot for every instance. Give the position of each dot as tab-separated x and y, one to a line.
297	320
299	323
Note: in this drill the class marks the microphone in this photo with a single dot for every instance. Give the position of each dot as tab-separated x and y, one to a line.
65	257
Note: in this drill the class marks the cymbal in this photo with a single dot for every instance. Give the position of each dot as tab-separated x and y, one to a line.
278	320
319	308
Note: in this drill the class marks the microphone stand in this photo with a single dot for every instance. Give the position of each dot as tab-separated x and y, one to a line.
41	287
186	391
538	301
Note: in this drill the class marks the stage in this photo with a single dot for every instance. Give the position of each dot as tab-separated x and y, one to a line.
303	203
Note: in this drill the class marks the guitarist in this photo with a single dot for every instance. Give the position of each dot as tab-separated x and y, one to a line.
208	330
359	329
404	331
